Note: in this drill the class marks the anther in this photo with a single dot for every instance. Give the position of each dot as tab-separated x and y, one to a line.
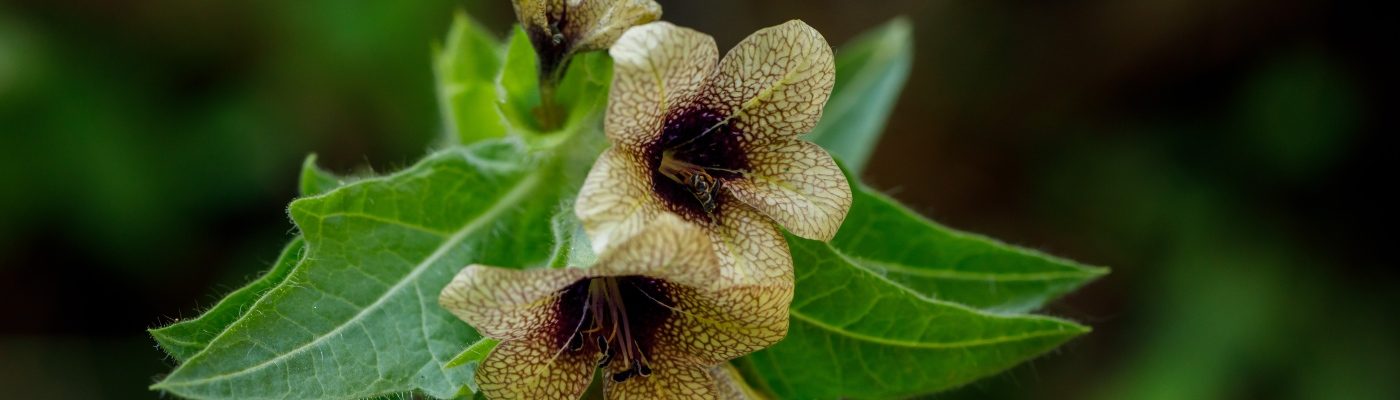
603	348
643	369
622	376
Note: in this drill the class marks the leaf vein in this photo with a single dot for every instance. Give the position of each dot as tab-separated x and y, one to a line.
505	203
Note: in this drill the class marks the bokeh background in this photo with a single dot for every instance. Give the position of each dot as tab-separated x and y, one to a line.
1223	157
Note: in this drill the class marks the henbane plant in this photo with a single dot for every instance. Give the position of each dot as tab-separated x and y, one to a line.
688	225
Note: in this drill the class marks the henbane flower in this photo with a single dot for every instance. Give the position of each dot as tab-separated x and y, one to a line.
716	142
560	28
654	313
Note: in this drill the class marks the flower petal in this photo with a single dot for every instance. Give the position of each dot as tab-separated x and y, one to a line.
668	248
796	183
669	380
750	247
615	201
596	24
656	67
534	14
775	82
505	303
713	326
531	369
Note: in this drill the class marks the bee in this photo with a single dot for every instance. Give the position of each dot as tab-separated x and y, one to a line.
703	186
693	177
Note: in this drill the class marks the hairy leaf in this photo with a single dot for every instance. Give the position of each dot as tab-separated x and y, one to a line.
870	72
315	180
184	339
359	317
856	334
929	259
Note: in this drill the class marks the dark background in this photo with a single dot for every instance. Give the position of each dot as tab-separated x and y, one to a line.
1222	156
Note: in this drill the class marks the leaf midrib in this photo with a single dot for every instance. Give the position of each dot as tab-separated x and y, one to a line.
976	276
927	345
505	203
1064	329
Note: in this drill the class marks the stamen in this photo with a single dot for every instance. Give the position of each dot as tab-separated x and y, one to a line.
642	363
622	376
732	171
621	315
607	352
703	133
616	313
676	169
577	335
610	325
597	296
642	367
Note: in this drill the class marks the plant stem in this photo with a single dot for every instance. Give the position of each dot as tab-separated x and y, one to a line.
549	113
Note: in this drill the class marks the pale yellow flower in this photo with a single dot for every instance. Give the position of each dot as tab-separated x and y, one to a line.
560	28
654	313
716	142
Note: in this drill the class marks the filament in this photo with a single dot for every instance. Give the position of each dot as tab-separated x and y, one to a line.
605	312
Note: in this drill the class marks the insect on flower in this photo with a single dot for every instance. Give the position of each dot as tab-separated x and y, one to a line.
694	177
715	142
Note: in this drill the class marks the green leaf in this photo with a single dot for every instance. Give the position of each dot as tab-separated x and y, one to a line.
469	360
583	92
856	334
359	316
870	72
466	68
571	245
184	339
315	180
937	262
519	81
474	353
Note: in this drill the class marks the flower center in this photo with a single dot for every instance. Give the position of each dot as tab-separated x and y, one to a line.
697	151
615	318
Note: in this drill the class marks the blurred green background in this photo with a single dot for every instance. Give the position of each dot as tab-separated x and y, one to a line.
1222	156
